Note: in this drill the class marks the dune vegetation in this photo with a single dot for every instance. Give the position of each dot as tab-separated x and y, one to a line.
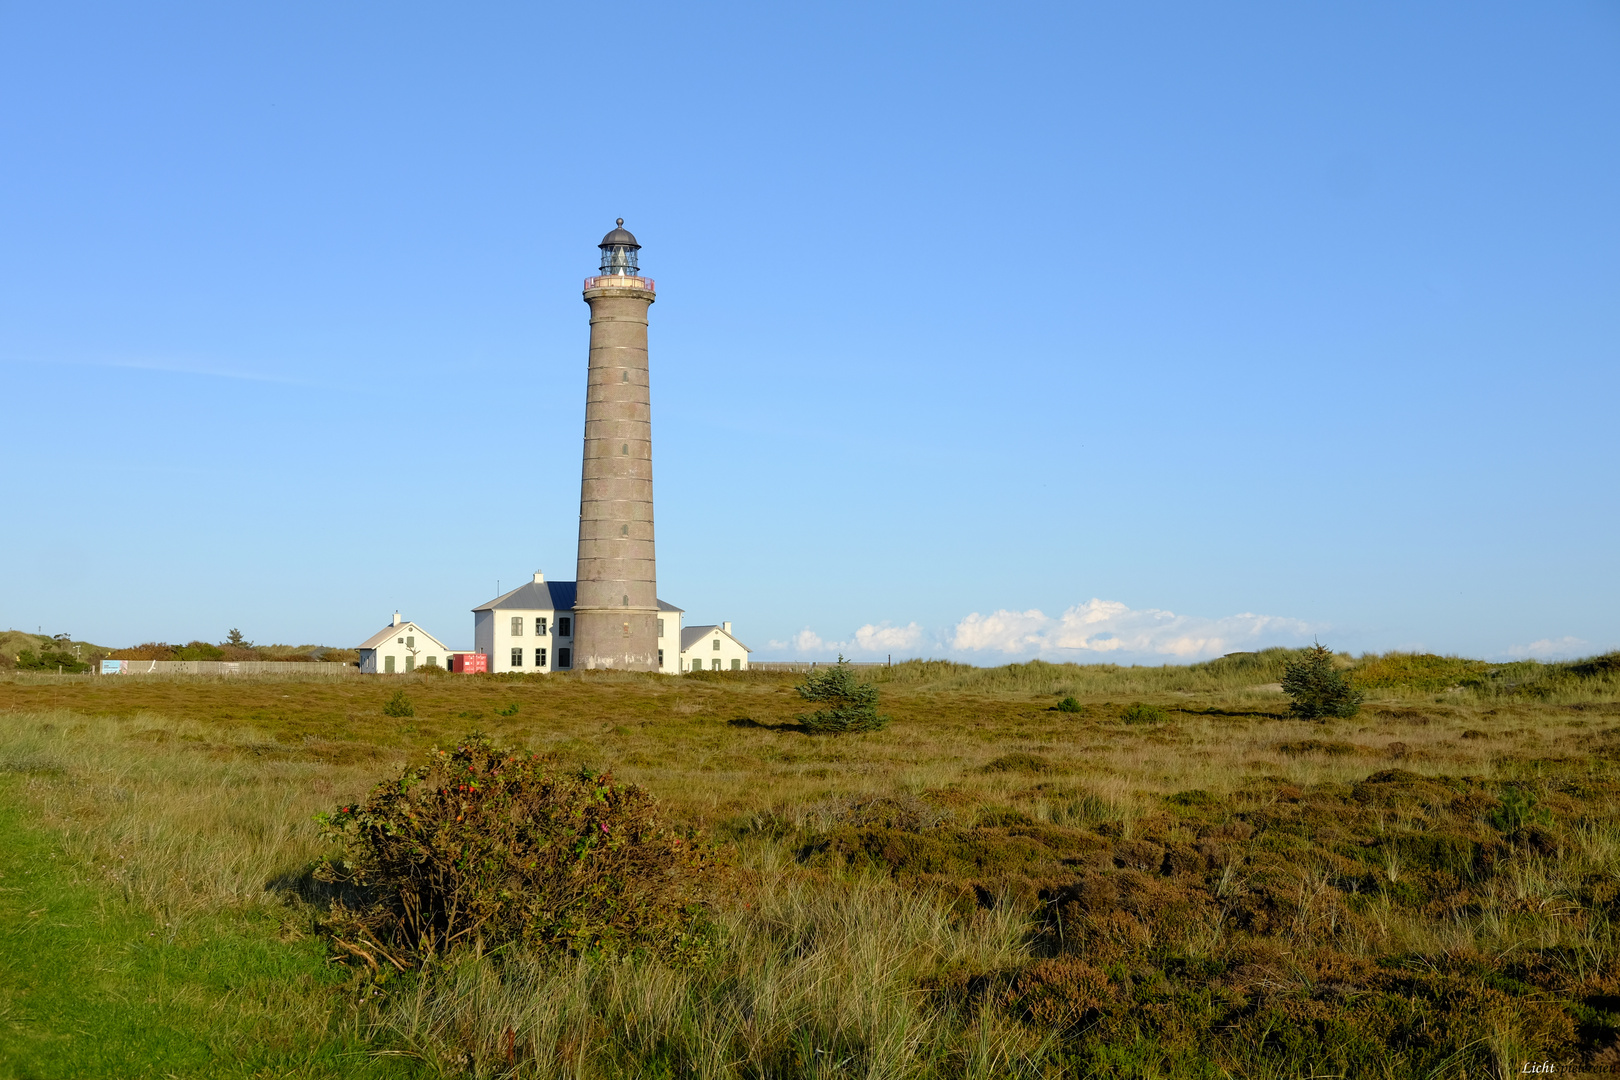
1032	870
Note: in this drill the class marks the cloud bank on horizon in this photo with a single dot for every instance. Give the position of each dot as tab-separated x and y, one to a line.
1105	631
1093	632
1563	648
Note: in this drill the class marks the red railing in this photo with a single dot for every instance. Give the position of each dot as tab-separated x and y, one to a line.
623	281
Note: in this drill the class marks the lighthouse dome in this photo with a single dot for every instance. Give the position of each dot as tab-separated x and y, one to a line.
619	237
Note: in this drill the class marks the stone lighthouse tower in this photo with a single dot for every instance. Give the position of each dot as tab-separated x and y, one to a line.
616	607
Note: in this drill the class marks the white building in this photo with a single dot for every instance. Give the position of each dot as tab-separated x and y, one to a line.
531	628
712	648
401	647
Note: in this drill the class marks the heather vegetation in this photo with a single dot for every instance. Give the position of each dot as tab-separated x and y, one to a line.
46	653
1174	876
234	651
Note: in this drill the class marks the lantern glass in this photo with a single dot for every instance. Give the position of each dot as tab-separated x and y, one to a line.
620	259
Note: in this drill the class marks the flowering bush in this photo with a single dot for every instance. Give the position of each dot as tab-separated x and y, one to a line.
488	845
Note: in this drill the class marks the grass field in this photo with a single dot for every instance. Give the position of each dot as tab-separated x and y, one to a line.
989	887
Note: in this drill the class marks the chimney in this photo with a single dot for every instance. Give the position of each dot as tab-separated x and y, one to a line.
726	627
396	618
538	577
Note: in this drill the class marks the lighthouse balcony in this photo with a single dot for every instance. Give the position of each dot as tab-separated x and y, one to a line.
619	281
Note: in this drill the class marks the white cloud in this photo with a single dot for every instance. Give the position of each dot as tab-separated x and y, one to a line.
886	638
1094	632
1109	630
872	638
1550	649
805	641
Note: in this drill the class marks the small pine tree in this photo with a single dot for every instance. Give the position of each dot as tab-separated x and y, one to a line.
399	705
849	705
1319	689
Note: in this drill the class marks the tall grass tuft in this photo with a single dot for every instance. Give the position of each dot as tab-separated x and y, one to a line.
810	978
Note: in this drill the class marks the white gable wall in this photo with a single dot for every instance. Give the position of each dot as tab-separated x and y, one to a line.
715	651
409	646
496	636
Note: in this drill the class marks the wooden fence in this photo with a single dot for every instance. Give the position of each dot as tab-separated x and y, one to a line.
806	665
224	667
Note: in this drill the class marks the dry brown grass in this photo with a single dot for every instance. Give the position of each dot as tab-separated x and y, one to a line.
904	893
716	747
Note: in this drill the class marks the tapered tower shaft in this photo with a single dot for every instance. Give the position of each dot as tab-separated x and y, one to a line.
616	607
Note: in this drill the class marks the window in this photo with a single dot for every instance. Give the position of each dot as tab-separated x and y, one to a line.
410	642
625	449
565	628
432	661
388	664
410	663
517	657
736	664
539	658
517	626
697	664
626	600
660	632
717	643
565	657
402	641
624	530
717	663
660	657
539	627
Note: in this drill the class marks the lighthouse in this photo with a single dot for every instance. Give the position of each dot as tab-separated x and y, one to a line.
616	606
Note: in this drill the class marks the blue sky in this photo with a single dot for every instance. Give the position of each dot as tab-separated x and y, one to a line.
1132	332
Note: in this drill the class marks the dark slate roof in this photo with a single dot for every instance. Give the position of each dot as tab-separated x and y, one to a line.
535	596
545	596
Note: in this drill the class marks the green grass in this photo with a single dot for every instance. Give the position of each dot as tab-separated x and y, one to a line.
91	985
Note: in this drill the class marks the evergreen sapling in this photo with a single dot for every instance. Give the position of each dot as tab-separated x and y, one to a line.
1319	689
848	705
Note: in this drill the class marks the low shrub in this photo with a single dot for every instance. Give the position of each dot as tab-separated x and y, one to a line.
1018	762
850	705
1319	746
1318	688
399	705
1518	809
50	660
490	845
1142	713
1069	705
1414	671
199	650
